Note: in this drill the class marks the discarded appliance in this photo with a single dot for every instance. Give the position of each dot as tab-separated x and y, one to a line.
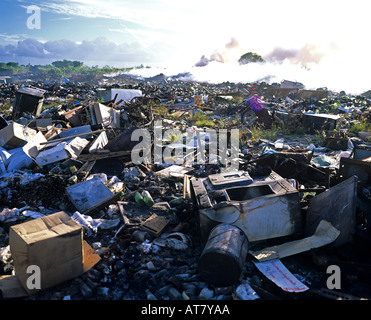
106	116
15	135
55	245
28	99
62	151
336	205
224	255
317	122
118	94
264	208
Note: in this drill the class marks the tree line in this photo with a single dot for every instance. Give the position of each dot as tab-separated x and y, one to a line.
62	68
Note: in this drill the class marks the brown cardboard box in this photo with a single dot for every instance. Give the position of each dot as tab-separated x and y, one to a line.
55	244
15	135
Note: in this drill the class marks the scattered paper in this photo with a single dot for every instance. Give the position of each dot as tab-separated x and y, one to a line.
275	271
245	292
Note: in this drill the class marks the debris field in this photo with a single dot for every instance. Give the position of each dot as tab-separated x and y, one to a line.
289	221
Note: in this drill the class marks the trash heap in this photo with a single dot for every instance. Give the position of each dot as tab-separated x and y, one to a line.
100	226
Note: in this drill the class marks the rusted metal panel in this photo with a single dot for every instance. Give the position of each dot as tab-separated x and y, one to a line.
337	205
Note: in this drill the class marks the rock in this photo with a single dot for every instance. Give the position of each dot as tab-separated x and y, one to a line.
206	294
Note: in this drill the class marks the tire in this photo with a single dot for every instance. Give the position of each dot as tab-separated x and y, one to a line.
248	117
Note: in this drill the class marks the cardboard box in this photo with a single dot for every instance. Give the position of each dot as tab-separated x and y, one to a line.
15	135
55	244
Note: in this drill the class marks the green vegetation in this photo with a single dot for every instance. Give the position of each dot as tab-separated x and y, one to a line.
63	68
258	132
202	120
360	126
250	57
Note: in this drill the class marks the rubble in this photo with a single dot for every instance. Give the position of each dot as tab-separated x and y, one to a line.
185	227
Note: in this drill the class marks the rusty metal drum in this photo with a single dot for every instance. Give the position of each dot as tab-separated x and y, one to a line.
224	255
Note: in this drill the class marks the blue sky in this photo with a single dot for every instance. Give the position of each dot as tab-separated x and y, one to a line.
315	35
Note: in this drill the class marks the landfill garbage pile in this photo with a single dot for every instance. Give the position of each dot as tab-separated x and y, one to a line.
168	229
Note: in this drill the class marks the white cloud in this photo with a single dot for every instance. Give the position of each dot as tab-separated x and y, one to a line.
99	51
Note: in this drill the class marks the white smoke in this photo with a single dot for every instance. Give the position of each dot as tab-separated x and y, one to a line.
315	68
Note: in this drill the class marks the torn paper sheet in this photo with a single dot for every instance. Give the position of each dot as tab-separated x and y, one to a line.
93	224
275	271
324	234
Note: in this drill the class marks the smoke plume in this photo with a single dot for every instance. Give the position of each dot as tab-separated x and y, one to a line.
307	54
219	55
